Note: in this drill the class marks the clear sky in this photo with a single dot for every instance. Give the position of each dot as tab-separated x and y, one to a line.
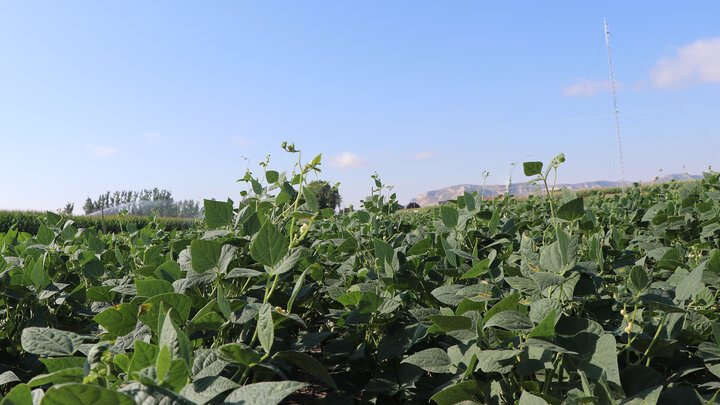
107	95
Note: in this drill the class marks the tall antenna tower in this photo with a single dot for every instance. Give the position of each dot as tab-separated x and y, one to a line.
615	107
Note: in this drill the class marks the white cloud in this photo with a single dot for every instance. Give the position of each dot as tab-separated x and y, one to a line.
696	63
346	160
585	88
424	155
101	151
239	141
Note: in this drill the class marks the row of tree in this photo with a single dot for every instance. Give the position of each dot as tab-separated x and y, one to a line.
161	203
144	202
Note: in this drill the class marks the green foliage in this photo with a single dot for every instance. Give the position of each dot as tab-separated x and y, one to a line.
505	301
29	221
327	196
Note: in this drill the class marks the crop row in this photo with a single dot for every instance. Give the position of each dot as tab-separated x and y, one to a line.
559	300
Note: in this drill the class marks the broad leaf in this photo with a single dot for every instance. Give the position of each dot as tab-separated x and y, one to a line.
532	168
217	213
84	394
434	360
572	210
205	254
269	245
266	393
265	327
49	342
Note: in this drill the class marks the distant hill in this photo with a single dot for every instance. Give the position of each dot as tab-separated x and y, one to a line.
433	197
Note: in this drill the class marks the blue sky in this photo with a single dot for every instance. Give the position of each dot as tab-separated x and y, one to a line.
181	95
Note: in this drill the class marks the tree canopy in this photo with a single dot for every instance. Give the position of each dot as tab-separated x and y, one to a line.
327	195
144	202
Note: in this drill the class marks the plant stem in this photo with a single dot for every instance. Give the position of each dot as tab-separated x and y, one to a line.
654	339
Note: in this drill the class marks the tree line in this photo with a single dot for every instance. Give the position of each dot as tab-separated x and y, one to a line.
144	202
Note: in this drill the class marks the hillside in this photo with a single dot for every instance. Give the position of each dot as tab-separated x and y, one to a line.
433	197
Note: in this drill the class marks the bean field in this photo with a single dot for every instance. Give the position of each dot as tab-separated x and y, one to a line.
554	299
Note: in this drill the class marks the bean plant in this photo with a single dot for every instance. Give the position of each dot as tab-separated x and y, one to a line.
555	298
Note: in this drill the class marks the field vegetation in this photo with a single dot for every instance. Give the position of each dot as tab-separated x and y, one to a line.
557	299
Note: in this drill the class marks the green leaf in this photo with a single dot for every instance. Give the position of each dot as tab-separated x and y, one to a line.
495	219
545	345
479	268
177	376
457	393
510	320
532	168
205	254
176	341
227	253
434	360
122	361
39	276
527	398
223	302
52	218
44	235
162	364
144	355
266	393
266	328
296	289
498	361
94	243
604	360
269	245
449	323
150	309
638	280
449	216
207	321
713	264
572	210
239	354
151	287
383	251
153	395
469	201
54	364
205	389
84	394
546	328
93	269
18	395
217	213
310	199
272	176
505	304
169	271
207	362
420	247
309	364
119	320
288	262
648	396
546	280
690	285
551	258
49	342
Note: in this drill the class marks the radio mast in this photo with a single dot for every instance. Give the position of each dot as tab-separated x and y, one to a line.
615	107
